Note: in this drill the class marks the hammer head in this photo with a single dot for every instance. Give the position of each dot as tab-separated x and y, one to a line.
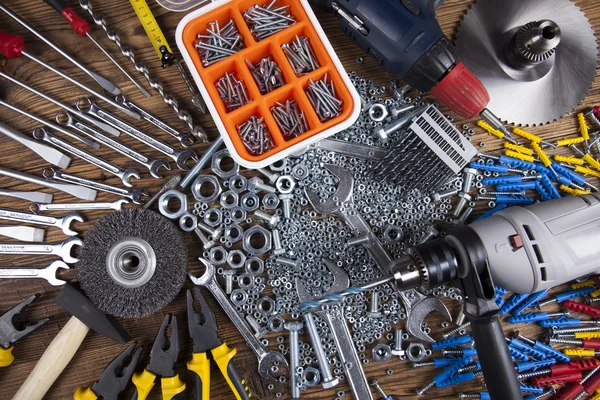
74	301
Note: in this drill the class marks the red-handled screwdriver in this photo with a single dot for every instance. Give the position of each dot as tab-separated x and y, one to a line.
82	28
13	46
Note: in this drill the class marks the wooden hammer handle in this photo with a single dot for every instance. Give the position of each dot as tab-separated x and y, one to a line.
54	360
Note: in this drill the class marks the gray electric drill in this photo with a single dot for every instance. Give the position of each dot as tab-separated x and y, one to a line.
523	250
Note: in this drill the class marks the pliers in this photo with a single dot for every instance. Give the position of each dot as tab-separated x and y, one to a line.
163	357
203	331
115	377
10	333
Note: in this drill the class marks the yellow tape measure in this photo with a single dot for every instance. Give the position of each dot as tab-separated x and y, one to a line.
155	34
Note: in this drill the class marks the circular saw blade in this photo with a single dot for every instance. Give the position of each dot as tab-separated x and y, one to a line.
480	42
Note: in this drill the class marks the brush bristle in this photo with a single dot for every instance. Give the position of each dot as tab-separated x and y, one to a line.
171	263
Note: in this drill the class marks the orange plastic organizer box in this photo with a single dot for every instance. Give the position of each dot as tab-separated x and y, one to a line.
260	105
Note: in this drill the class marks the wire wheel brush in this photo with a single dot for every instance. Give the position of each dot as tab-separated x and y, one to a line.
133	263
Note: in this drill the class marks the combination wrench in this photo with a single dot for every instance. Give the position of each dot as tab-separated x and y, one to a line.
180	157
417	305
125	175
63	250
48	273
342	337
65	118
186	140
268	361
74	190
134	195
37	208
63	223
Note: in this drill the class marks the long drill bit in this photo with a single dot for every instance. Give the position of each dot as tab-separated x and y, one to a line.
141	67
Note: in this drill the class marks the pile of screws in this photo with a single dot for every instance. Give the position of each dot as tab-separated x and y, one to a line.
323	98
301	56
232	91
256	136
218	43
267	74
264	21
290	119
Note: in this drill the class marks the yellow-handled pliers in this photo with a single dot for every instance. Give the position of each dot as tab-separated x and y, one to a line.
115	377
203	330
9	333
163	357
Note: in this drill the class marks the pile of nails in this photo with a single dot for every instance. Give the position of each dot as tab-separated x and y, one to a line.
301	56
255	136
267	20
218	43
322	96
232	91
290	119
267	74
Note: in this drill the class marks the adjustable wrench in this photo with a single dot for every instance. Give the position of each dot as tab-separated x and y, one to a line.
180	157
125	175
65	118
48	273
30	196
134	195
36	208
267	359
63	250
62	223
186	140
73	190
416	304
339	328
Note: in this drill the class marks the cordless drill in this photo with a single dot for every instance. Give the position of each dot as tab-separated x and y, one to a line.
404	36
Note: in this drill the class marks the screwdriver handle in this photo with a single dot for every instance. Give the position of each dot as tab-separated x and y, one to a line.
223	356
11	45
78	24
6	356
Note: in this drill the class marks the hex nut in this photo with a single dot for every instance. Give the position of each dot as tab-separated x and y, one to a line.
378	112
254	266
217	255
234	233
166	198
247	244
382	352
393	234
238	184
270	201
415	352
246	281
216	166
236	259
188	222
203	180
213	217
250	202
229	199
285	184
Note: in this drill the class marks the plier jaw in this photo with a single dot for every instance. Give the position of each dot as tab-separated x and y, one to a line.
203	325
165	350
11	330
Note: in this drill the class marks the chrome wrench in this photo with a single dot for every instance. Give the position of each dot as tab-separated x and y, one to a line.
48	273
339	328
134	195
180	157
30	196
63	250
65	118
125	175
74	190
268	360
63	223
186	140
36	208
351	149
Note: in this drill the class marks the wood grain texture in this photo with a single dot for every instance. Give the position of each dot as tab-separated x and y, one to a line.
96	350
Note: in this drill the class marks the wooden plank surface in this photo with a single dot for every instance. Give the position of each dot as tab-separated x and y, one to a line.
97	351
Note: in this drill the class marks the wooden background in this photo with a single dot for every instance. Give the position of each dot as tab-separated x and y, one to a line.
97	351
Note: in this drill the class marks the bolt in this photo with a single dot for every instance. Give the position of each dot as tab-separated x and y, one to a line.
294	327
400	92
278	248
469	396
402	109
215	233
256	185
465	215
228	274
375	384
271	176
287	204
259	330
373	310
468	175
465	198
288	262
430	234
366	239
199	166
271	220
206	242
327	379
397	347
439	196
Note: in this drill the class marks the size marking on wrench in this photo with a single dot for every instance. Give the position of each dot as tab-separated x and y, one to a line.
63	250
334	316
134	195
416	304
268	361
36	208
65	118
62	223
180	157
186	140
125	175
48	273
